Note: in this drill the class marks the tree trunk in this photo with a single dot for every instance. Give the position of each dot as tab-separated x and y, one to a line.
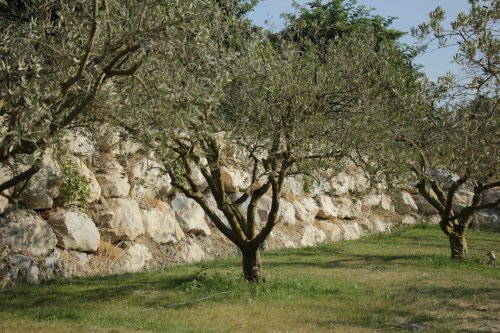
252	265
458	246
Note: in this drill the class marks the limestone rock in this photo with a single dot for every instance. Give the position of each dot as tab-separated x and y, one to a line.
79	142
4	203
192	253
306	210
312	236
190	216
332	230
43	187
346	208
293	185
135	258
148	179
120	220
433	219
409	220
75	231
488	218
24	269
351	230
287	213
113	180
407	204
161	225
234	180
326	208
27	233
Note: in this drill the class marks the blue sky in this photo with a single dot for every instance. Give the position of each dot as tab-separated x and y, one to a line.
409	13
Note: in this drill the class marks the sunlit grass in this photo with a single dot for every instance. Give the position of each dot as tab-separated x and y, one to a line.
377	283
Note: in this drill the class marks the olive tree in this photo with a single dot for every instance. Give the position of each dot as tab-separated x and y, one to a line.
286	109
64	62
454	123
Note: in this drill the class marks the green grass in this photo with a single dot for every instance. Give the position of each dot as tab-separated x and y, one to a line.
384	283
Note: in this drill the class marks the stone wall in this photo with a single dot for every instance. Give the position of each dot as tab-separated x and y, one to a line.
131	219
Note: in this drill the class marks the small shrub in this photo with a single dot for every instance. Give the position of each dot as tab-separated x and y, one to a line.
75	187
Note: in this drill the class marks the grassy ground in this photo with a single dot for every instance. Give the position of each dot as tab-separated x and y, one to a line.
397	283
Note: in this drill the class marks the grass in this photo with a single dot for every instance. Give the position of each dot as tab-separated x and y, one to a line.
397	283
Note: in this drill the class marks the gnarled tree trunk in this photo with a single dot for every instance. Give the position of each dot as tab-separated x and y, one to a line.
252	265
458	246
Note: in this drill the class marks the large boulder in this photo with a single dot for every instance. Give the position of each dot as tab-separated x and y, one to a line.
113	179
148	179
43	187
488	218
190	216
312	236
24	269
79	142
293	185
120	220
75	231
27	233
347	208
407	204
351	230
306	210
134	258
327	210
287	213
161	225
332	230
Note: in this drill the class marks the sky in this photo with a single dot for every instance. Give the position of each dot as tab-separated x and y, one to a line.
409	13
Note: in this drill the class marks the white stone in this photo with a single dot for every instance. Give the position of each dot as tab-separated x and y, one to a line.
409	220
371	201
135	258
433	219
293	185
346	208
386	203
407	204
332	230
326	208
161	225
75	231
379	226
234	180
306	210
286	213
121	221
27	233
4	203
312	236
212	204
351	230
43	187
51	260
113	180
488	218
79	142
190	216
148	179
25	268
192	253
